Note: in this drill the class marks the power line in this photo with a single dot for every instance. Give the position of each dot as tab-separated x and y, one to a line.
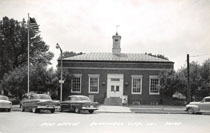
200	55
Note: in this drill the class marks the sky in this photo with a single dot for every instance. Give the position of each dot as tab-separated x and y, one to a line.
173	28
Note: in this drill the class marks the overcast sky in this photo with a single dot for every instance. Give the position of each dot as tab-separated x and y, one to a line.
173	28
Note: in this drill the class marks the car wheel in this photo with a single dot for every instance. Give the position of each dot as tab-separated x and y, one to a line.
61	110
34	110
52	110
22	109
8	110
77	110
190	111
91	111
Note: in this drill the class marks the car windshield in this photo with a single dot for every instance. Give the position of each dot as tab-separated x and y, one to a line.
44	96
80	98
3	98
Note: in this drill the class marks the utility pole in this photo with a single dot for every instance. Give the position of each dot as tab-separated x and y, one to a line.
188	80
61	81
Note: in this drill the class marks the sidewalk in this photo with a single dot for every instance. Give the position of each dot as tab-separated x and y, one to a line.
142	109
158	109
155	109
113	109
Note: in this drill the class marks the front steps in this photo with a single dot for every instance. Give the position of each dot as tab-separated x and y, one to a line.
114	101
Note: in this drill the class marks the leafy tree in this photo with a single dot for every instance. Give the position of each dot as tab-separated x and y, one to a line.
15	81
158	56
204	89
41	80
171	82
14	46
67	54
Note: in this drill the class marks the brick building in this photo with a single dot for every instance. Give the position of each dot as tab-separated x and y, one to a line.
116	78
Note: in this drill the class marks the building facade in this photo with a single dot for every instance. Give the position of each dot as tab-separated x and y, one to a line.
116	77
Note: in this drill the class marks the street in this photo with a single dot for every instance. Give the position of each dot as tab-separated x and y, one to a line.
66	122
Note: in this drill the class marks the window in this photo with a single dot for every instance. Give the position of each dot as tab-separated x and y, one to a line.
76	84
153	83
93	83
115	79
112	88
136	84
207	100
117	88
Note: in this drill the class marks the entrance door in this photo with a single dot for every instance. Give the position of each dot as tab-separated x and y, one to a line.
115	90
115	85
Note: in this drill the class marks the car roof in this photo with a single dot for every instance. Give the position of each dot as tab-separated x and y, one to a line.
207	97
77	96
3	96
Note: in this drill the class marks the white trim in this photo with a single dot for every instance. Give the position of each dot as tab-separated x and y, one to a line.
120	83
77	76
153	77
136	77
110	68
93	76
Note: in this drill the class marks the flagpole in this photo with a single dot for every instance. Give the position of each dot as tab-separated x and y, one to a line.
28	54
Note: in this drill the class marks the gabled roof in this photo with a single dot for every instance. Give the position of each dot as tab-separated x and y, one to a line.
111	57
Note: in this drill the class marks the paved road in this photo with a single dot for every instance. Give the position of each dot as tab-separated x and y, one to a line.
27	122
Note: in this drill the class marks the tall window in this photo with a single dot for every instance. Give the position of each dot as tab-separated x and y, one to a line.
76	83
154	82
136	84
93	83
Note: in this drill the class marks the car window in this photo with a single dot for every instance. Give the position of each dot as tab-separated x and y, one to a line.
43	96
207	100
3	98
84	99
74	99
34	97
79	98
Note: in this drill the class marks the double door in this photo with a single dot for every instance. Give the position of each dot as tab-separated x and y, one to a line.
115	85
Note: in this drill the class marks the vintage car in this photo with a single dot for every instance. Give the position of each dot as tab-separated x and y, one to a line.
77	103
5	104
36	102
199	107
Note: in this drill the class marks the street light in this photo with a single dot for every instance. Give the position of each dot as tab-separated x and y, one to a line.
61	81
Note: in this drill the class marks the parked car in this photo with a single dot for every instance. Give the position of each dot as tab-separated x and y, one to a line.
199	107
36	102
5	104
77	103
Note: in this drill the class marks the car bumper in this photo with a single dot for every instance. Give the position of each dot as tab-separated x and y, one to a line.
45	107
89	108
5	106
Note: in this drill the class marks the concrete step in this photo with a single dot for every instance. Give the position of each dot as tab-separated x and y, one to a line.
114	101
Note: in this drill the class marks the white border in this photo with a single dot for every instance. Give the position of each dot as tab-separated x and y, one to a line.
93	76
135	77
153	77
77	76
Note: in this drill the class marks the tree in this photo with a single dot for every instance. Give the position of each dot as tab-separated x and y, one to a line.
204	89
15	81
14	45
158	56
171	82
42	80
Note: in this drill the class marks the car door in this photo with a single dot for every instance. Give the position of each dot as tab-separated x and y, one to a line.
205	105
66	104
26	103
33	102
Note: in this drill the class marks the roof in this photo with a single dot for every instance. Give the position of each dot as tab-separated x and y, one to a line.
111	57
